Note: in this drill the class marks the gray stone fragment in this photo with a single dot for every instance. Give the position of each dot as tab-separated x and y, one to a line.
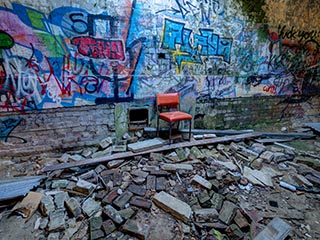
90	207
54	236
137	190
96	234
47	205
197	179
151	182
57	220
123	199
227	212
173	205
84	187
61	183
195	153
113	214
136	229
60	198
127	213
205	214
73	206
108	227
95	223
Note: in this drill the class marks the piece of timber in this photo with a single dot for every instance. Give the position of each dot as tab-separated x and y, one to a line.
108	158
235	132
288	135
201	131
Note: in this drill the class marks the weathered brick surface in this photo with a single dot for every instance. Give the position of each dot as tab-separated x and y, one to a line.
60	128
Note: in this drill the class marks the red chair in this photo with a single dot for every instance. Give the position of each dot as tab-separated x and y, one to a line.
168	109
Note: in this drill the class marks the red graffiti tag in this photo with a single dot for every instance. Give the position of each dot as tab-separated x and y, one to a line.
99	48
271	89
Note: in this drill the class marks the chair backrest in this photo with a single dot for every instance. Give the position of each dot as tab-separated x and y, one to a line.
168	99
168	102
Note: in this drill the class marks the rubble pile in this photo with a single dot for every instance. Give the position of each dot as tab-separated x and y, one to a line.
238	190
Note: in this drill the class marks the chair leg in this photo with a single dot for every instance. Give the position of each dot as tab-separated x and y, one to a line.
158	127
170	131
189	130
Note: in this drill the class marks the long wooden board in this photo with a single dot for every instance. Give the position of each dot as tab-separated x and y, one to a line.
95	161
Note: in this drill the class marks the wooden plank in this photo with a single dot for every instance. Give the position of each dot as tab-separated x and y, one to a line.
288	135
314	126
108	158
273	140
202	131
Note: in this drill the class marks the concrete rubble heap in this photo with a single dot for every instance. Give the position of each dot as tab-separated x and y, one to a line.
221	191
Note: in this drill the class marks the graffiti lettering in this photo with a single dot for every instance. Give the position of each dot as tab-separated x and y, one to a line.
99	48
271	89
207	44
204	10
79	25
7	125
295	34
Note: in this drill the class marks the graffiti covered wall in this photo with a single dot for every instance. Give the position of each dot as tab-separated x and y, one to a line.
118	51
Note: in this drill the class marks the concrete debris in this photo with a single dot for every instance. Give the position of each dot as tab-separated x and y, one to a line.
277	229
175	206
222	191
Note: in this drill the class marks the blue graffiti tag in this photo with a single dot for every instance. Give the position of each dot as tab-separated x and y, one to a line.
205	44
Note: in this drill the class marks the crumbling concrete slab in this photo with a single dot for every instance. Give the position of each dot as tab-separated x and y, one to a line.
146	145
175	206
277	229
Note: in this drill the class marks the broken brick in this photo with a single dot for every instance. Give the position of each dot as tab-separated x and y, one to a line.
141	202
136	229
161	183
227	212
197	179
108	226
123	199
90	207
151	182
137	190
240	220
110	196
113	214
127	213
73	206
205	214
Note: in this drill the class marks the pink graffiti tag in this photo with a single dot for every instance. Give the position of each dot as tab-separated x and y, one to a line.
99	48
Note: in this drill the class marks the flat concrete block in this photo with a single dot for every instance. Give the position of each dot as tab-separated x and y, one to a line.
175	206
227	212
277	229
175	167
146	145
197	179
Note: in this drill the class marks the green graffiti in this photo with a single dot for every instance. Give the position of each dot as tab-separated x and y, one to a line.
6	41
53	43
36	19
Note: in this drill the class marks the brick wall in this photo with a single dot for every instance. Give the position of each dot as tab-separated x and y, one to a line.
240	113
57	129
